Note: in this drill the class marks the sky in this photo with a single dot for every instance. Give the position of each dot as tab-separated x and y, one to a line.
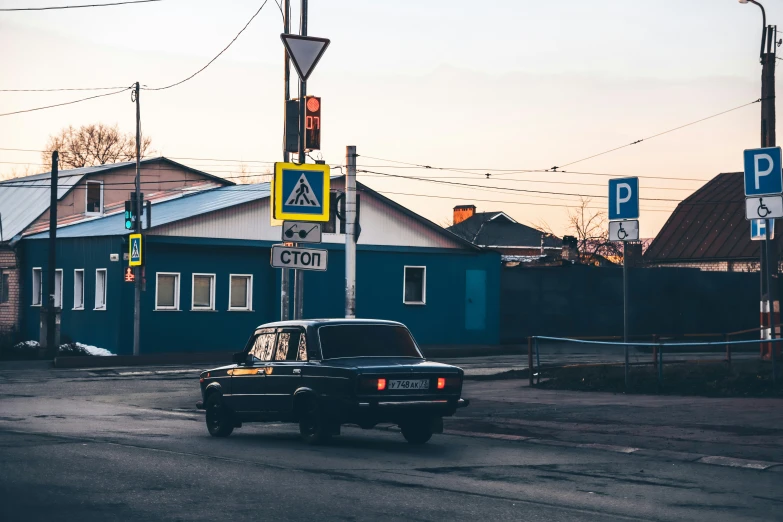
506	85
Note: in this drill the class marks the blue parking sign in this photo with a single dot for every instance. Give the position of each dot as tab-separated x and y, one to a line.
763	173
624	198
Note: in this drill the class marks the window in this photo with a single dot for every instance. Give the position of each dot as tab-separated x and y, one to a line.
263	346
415	285
100	289
94	204
167	291
78	289
291	345
366	340
58	288
3	287
203	297
240	292
37	287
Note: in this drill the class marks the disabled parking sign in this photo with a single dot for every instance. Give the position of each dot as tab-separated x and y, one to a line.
301	192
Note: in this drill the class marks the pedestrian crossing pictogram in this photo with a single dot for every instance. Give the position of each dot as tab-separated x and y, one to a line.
302	194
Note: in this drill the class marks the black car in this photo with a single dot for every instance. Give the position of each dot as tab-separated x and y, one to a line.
325	373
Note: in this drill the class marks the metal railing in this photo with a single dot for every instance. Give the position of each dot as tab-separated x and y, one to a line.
658	346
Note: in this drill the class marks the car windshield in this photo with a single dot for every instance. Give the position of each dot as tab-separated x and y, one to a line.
367	340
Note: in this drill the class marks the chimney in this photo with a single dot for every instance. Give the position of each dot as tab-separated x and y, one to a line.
463	212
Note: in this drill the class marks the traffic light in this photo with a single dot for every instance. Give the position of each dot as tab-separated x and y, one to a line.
312	123
128	216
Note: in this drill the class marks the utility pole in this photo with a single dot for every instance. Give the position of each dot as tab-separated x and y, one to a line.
350	233
285	284
51	313
299	274
137	270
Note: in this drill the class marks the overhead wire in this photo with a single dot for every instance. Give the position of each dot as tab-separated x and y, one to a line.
213	59
66	103
82	6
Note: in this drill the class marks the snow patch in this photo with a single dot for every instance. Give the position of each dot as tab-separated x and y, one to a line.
94	350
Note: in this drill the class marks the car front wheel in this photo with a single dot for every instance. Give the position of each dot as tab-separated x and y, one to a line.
416	432
219	419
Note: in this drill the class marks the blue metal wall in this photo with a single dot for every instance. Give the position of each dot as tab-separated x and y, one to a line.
442	320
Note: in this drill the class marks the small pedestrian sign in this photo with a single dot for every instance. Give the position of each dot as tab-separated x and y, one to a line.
135	250
301	192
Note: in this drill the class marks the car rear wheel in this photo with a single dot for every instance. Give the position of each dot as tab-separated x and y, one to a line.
313	428
418	432
220	422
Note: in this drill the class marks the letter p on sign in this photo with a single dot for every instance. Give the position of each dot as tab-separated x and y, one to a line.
624	198
763	175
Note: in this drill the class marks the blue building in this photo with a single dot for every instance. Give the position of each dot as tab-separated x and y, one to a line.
208	280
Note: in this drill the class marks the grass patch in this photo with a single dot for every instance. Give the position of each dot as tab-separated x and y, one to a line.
708	379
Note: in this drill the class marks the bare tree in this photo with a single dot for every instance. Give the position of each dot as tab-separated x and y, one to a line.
591	229
91	145
245	176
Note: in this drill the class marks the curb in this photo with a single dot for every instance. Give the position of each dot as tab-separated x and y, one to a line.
714	460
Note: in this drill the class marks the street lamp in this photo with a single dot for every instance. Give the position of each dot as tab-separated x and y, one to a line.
763	24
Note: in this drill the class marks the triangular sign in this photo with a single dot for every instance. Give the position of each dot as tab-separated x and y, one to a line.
305	51
302	195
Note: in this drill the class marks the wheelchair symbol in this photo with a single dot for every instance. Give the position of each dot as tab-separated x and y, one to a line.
763	210
621	233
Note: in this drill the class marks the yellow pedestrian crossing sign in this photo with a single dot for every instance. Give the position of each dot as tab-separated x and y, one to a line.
135	250
301	192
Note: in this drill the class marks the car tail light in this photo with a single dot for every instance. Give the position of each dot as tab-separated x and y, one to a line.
381	384
441	383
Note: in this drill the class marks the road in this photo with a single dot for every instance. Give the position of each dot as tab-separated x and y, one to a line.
97	445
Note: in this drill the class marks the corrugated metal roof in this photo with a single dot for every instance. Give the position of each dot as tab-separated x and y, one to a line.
24	199
709	225
168	211
497	229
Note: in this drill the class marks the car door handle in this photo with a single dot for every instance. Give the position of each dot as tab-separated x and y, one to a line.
297	371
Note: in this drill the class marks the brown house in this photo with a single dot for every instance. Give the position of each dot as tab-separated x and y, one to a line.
82	194
708	230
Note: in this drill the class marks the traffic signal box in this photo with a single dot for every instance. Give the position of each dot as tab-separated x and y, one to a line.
312	124
130	211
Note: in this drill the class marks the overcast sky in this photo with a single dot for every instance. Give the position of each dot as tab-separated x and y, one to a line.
516	84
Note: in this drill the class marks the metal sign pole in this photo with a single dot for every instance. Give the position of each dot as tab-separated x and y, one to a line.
625	308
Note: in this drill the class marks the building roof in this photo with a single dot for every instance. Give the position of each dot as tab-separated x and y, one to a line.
205	201
709	225
168	211
24	199
496	229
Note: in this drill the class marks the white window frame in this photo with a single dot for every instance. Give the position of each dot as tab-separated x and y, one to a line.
86	191
105	288
193	307
174	308
58	298
249	302
75	289
423	285
38	290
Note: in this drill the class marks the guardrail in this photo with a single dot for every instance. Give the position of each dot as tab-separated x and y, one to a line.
657	345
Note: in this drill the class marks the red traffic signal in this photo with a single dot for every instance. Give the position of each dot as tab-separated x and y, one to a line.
312	123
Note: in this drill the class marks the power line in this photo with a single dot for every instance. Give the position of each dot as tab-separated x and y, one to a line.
506	172
79	6
61	90
66	103
511	189
657	135
213	59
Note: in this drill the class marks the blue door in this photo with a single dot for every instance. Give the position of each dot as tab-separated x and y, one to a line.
475	299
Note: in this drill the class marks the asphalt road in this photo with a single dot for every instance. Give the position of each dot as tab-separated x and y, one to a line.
97	445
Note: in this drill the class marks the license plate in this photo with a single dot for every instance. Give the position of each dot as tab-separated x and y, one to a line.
410	384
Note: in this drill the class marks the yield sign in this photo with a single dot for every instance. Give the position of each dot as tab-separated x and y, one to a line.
305	51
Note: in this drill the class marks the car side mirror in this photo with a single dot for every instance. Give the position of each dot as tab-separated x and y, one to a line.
239	357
